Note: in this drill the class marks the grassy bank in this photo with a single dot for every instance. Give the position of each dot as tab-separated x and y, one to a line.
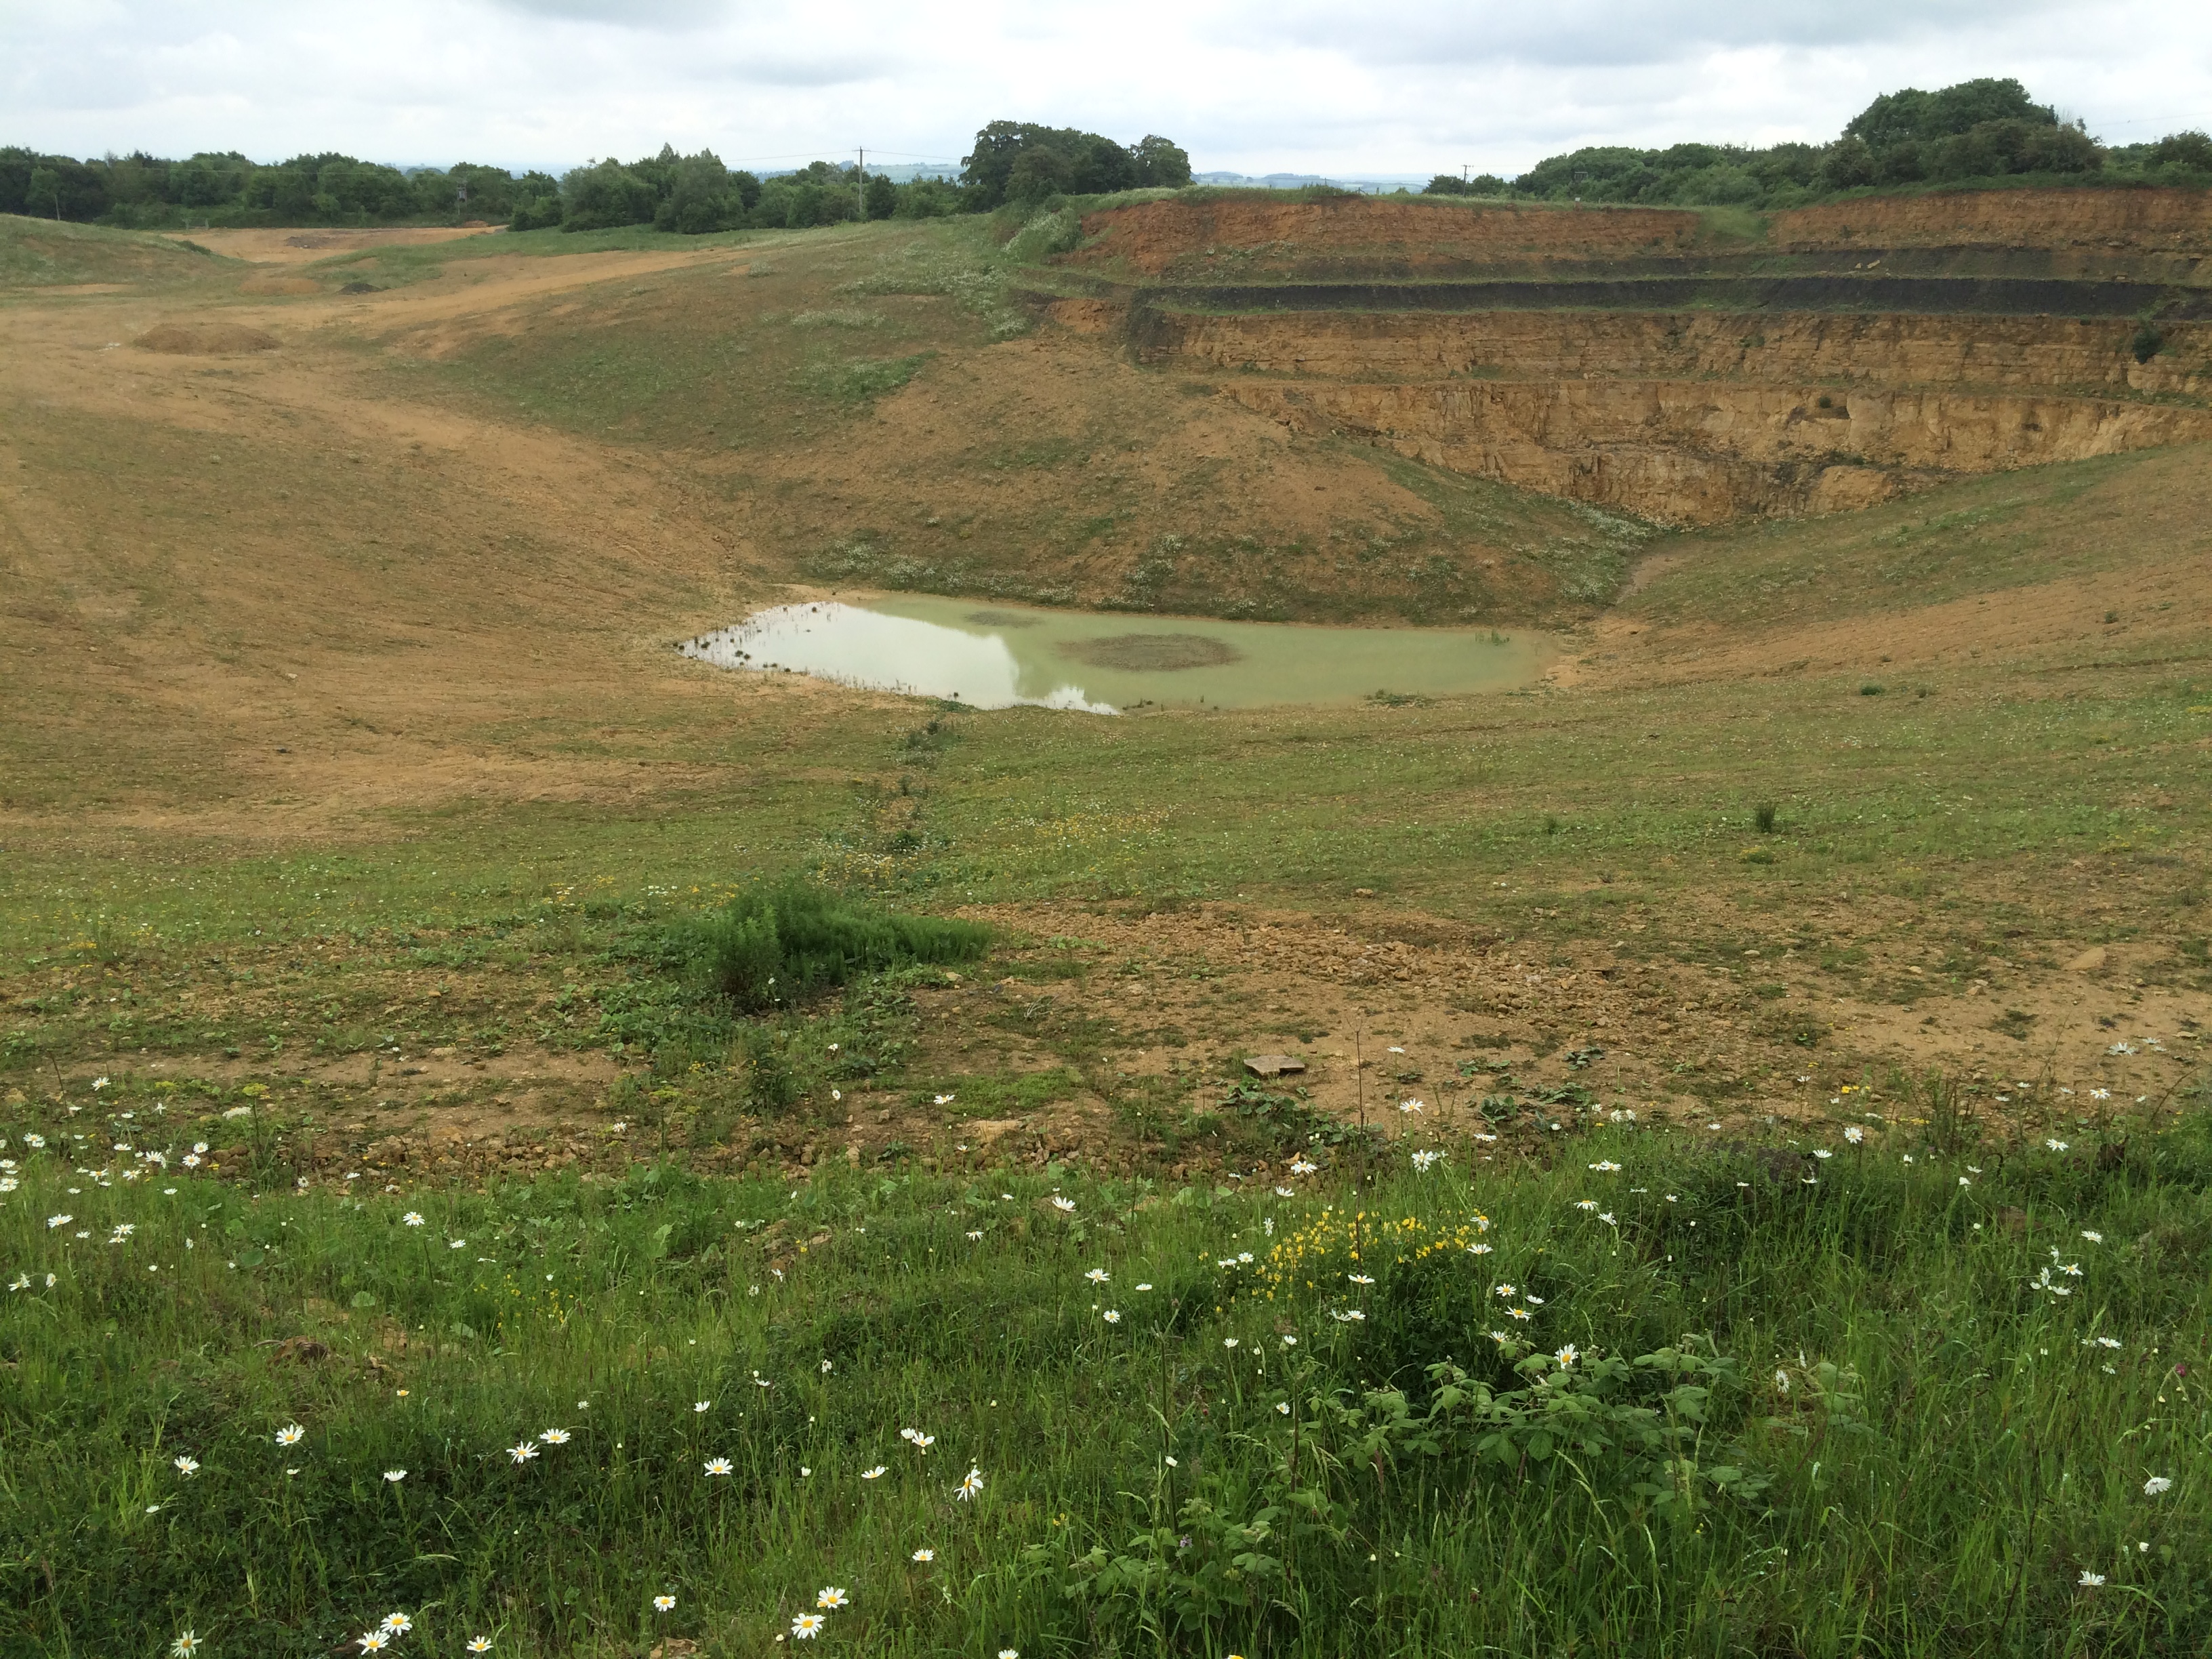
1733	1399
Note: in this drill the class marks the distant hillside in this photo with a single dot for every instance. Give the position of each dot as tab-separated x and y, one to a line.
1376	187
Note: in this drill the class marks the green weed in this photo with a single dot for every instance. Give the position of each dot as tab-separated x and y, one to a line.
775	945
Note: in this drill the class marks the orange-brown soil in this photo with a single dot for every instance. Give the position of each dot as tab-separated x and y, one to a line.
2146	220
1243	238
282	246
1236	237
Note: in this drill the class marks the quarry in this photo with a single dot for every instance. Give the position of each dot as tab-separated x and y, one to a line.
1688	367
1182	920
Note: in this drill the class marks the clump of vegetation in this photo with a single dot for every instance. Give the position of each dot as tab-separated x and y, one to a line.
1977	131
1022	162
777	945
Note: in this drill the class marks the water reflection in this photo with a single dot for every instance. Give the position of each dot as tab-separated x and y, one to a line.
1001	656
855	646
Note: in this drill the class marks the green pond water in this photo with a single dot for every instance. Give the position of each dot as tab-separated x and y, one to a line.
997	656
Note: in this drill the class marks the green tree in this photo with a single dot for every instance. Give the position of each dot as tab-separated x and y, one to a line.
602	196
292	193
46	190
701	197
2192	151
1848	164
1021	161
1159	163
882	198
929	198
1912	115
1039	171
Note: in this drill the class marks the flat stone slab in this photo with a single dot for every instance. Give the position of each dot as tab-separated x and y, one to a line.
1274	1066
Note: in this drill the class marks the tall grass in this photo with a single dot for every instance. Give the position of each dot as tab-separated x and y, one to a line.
1762	1402
776	944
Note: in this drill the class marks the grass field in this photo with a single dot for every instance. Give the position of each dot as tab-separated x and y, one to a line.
1655	1398
1797	1000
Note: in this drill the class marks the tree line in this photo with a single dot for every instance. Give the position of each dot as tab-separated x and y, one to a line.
1977	130
1013	162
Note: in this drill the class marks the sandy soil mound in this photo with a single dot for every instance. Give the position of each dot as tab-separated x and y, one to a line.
279	246
205	339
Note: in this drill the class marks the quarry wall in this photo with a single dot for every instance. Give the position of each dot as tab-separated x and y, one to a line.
2150	219
2097	355
1674	363
1228	235
1698	451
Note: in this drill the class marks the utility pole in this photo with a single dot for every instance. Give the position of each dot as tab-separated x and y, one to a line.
860	185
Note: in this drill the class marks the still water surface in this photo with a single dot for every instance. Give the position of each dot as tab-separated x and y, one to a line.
995	656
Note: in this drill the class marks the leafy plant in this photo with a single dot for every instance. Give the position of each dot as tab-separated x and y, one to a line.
1356	1465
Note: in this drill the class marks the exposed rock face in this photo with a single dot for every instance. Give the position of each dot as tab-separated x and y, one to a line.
1669	363
2145	219
1698	452
2090	355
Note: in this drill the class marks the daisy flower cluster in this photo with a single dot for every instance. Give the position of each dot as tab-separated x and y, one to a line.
830	1599
382	1634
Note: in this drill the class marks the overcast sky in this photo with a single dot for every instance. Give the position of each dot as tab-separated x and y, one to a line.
1324	86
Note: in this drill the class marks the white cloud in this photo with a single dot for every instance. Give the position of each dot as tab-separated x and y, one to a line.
1398	85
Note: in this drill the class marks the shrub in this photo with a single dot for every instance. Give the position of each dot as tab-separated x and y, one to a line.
602	196
776	945
2183	150
536	213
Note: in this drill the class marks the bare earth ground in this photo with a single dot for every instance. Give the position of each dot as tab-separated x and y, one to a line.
264	602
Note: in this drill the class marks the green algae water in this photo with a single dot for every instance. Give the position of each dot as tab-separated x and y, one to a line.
995	656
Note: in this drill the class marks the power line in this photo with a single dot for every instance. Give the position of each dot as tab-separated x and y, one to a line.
825	156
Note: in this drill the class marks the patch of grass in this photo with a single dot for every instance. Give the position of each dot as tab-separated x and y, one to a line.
858	379
697	358
50	252
1975	537
998	1094
774	945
